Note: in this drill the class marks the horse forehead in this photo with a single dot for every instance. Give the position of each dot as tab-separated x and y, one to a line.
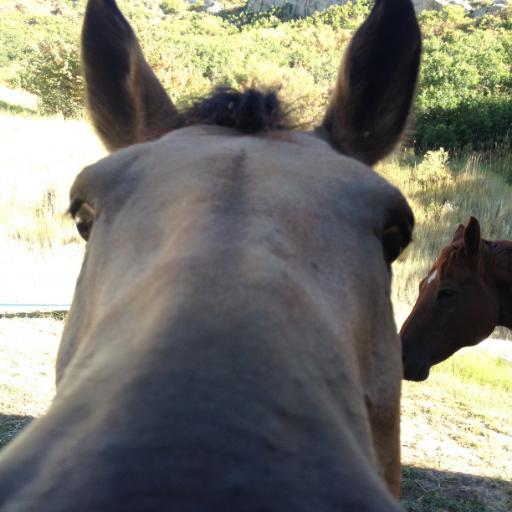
456	269
272	167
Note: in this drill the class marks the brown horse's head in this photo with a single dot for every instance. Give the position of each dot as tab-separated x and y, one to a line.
457	304
231	342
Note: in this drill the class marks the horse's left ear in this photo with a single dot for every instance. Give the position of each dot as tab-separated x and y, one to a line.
472	237
375	86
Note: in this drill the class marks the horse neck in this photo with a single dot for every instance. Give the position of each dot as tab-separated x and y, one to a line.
497	257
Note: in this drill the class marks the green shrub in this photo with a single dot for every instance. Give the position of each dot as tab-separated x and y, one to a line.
348	16
172	6
52	72
463	95
197	6
433	169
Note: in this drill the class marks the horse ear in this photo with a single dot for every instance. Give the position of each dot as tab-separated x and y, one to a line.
458	233
125	99
472	237
375	86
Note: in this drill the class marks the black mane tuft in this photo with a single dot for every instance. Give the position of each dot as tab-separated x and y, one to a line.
249	111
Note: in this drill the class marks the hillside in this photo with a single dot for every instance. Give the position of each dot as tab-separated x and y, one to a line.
463	97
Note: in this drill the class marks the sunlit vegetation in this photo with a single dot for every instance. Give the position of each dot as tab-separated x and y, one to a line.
463	97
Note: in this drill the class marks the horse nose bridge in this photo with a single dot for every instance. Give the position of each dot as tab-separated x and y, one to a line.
407	328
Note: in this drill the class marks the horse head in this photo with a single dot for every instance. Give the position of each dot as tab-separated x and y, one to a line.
457	304
231	342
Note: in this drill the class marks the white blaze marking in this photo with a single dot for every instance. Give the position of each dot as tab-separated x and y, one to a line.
432	277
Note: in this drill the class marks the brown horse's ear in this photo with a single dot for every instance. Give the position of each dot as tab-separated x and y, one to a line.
375	86
126	101
458	233
472	237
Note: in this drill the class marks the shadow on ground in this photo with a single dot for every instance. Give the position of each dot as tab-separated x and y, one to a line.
11	426
430	490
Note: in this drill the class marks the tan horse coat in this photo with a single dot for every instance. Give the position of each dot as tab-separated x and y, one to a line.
231	343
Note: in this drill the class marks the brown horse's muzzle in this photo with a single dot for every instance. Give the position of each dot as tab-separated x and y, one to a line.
415	368
416	362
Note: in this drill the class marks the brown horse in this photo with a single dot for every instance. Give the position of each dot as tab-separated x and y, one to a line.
231	343
466	294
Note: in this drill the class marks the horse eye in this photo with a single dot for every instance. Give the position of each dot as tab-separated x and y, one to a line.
394	242
84	218
447	293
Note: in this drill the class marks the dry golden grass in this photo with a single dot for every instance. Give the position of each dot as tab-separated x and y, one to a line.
40	157
40	251
442	199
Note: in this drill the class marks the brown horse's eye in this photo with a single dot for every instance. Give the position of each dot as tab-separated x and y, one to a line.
447	293
84	216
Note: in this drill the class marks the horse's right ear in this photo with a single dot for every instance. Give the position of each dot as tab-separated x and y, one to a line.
125	99
458	234
375	85
472	237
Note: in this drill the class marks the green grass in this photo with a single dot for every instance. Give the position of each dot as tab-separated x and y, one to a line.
418	495
478	368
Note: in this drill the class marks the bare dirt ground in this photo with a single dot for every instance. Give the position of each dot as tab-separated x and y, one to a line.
440	474
27	356
456	456
457	442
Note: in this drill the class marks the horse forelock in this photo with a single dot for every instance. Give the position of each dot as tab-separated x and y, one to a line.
454	253
250	111
447	257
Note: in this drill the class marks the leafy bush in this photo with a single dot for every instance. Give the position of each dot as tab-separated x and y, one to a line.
197	6
433	169
14	38
348	16
52	72
172	6
463	95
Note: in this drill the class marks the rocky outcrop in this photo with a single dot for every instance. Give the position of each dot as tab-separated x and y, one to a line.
437	5
489	9
301	8
213	6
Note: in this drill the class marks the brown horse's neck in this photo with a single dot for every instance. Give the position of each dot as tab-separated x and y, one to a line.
497	258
